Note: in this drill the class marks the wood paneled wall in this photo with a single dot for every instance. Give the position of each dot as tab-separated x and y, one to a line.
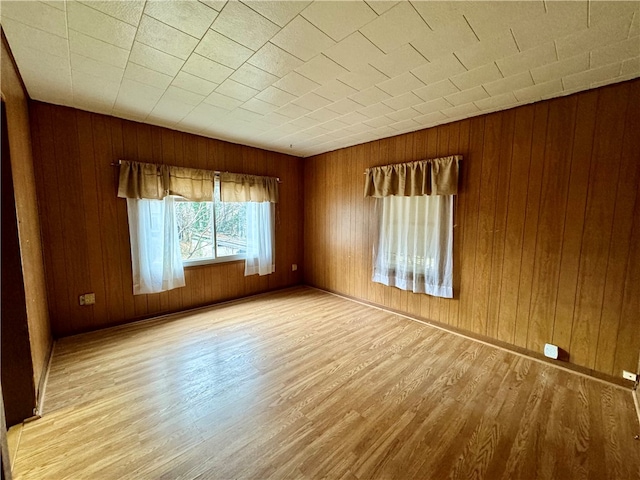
22	172
85	229
547	225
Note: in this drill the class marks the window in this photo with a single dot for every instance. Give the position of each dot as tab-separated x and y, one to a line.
414	248
211	232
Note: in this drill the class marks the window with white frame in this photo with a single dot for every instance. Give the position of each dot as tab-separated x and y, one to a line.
211	232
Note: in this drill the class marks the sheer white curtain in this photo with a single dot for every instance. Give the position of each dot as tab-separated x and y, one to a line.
155	249
414	249
260	238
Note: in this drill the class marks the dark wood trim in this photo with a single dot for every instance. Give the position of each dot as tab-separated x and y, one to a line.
13	61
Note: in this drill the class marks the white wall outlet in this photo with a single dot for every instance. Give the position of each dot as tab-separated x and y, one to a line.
551	351
87	299
630	376
294	267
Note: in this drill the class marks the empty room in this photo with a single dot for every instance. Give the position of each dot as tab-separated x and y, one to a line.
320	239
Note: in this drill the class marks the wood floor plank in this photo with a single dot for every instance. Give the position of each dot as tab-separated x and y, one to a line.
303	384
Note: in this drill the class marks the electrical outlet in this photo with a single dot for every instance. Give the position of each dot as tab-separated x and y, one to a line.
630	376
87	299
294	267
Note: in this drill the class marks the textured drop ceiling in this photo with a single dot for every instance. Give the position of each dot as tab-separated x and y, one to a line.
310	77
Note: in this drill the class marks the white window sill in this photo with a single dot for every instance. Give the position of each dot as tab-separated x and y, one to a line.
210	261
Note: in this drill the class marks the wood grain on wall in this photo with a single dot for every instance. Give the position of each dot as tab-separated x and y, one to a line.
22	171
547	225
84	224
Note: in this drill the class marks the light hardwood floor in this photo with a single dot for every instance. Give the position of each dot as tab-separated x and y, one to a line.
303	384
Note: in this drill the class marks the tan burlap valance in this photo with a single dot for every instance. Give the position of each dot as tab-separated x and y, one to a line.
436	176
237	187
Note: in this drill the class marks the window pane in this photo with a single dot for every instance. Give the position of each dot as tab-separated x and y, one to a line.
231	226
195	230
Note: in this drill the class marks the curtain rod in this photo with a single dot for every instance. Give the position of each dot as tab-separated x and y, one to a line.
215	172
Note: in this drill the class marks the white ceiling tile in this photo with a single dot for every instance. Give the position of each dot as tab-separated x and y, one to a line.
403	114
430	118
147	76
358	127
274	60
376	110
168	112
189	17
396	27
532	58
215	4
508	84
193	84
311	101
461	110
170	40
202	115
491	19
339	19
137	98
467	96
487	51
594	37
437	89
278	12
485	74
59	4
334	124
258	106
275	96
354	52
400	84
321	69
497	102
602	12
240	23
99	25
128	11
403	101
149	57
275	119
253	77
561	68
292	111
354	118
369	96
27	37
381	6
405	125
37	15
323	115
432	106
89	89
616	52
631	67
183	96
304	122
439	69
93	67
295	84
362	78
236	90
97	49
301	39
223	50
207	69
335	90
399	61
453	36
562	18
222	101
535	93
585	79
344	106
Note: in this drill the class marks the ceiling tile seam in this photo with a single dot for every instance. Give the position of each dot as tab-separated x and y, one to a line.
499	69
166	25
39	29
633	17
544	4
415	50
515	41
420	15
472	29
588	13
460	61
176	28
66	24
267	19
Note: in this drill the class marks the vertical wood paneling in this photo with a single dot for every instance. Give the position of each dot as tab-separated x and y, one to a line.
547	224
85	228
